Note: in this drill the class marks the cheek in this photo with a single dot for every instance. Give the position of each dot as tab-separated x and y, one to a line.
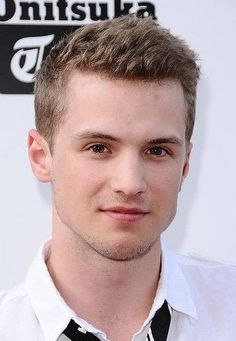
76	179
164	192
166	180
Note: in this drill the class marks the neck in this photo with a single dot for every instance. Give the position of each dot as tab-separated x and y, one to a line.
101	290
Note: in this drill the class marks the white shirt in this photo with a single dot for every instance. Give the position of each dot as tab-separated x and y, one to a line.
202	297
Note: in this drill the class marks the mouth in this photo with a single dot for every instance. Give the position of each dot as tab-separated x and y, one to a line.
126	215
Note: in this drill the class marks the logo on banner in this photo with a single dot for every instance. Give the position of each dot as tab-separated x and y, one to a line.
31	50
47	22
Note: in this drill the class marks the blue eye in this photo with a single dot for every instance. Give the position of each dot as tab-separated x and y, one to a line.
98	148
157	151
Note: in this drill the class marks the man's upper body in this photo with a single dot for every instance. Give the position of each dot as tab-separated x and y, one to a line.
201	303
115	108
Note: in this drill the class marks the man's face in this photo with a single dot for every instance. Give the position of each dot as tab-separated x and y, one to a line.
118	163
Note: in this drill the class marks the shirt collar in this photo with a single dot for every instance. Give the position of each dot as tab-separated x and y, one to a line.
54	314
176	288
51	310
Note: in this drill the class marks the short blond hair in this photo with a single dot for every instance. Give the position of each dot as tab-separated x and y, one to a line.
128	48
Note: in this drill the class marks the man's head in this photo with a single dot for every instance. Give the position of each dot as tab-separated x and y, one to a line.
127	48
116	101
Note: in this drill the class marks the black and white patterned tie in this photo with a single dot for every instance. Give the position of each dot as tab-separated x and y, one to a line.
74	332
158	330
160	324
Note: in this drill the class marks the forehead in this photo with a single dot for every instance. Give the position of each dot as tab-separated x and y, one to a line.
94	101
79	82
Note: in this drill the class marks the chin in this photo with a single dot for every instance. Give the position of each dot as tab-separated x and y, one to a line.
124	253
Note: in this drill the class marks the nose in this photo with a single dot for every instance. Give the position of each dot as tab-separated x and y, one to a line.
128	176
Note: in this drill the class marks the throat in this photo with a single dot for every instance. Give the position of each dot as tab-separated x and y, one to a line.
115	297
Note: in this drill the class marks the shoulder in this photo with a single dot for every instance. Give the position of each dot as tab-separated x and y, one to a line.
16	313
9	296
12	298
12	303
206	268
209	281
13	293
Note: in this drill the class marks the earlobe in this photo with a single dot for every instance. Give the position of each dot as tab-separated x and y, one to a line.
184	175
39	156
186	164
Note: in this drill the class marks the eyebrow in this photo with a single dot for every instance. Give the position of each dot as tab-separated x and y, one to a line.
97	135
169	139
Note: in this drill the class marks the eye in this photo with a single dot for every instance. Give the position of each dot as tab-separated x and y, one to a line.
98	148
157	151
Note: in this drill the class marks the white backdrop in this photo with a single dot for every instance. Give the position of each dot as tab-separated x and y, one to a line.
205	223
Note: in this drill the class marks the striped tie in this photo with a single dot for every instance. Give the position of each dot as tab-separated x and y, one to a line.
158	330
160	324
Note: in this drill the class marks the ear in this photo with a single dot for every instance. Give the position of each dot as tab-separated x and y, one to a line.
39	156
189	147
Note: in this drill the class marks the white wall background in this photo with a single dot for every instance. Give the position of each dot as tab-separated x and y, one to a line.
205	223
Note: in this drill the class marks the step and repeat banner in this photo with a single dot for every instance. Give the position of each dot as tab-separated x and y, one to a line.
205	223
29	29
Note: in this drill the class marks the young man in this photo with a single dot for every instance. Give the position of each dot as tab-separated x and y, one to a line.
115	107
